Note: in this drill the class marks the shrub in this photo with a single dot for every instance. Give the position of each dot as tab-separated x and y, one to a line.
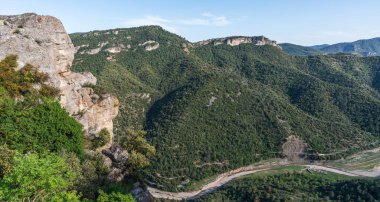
17	31
46	126
38	178
97	89
49	91
102	139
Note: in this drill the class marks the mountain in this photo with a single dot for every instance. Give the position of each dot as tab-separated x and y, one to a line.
293	49
212	106
365	47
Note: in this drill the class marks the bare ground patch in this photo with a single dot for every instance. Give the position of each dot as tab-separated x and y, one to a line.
294	149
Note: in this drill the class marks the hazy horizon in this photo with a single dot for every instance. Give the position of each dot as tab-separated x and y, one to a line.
292	21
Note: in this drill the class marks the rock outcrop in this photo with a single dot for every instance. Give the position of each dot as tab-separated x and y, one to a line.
43	42
237	40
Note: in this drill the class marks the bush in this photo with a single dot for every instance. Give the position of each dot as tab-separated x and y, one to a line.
102	139
97	89
114	196
37	178
46	126
19	82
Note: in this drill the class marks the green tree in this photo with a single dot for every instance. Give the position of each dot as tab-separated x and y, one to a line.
139	148
101	139
114	196
38	178
46	126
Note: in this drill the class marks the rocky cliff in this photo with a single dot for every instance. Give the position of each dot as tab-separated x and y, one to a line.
43	42
237	40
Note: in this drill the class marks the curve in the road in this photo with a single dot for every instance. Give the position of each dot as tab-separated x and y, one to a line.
226	177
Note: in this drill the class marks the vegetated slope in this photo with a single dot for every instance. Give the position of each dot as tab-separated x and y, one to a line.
208	109
297	50
365	47
297	186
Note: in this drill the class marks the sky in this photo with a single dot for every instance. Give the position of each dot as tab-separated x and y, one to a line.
303	22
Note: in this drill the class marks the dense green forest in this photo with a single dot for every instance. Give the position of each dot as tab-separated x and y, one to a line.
293	49
297	186
42	154
209	109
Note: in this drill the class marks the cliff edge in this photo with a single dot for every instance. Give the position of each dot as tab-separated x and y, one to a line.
43	42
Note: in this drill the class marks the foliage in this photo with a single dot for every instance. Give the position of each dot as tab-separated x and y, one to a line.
101	139
138	147
20	82
297	50
29	126
97	89
6	156
297	186
114	196
35	122
37	178
366	47
216	108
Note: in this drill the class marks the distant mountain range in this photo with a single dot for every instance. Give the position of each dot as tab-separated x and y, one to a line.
365	47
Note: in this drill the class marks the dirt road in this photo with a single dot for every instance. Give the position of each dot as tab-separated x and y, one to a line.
226	177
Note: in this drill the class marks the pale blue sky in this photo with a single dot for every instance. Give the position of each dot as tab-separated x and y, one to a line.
304	22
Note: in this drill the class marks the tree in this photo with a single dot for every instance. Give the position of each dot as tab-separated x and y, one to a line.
38	178
114	196
138	147
102	138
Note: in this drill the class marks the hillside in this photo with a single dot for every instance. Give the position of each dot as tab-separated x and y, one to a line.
365	47
212	107
289	185
297	50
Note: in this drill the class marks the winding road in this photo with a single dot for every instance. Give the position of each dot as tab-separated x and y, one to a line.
228	176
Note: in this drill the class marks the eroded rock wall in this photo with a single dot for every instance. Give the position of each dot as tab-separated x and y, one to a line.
43	42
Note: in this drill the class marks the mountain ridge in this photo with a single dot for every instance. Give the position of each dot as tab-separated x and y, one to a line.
218	105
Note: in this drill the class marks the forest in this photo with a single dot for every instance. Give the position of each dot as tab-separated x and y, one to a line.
209	109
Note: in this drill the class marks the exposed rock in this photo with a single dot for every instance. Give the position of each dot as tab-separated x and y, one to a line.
141	194
48	47
211	101
119	158
235	41
116	49
91	51
150	45
94	50
79	47
111	58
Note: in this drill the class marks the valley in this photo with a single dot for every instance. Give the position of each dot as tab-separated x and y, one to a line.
337	167
143	114
222	104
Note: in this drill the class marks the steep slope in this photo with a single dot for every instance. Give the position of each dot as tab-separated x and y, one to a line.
43	42
214	106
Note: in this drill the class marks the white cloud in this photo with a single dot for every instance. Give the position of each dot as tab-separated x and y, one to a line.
205	19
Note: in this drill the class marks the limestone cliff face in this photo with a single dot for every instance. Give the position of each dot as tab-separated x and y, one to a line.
237	40
43	42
